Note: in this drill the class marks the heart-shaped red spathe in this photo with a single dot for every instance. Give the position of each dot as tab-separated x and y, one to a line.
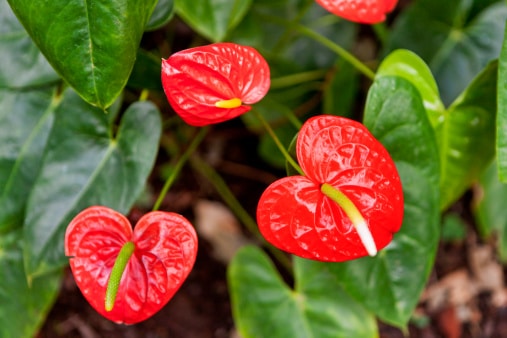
196	79
361	11
165	252
295	216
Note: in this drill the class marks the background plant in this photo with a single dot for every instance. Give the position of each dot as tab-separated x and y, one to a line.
433	91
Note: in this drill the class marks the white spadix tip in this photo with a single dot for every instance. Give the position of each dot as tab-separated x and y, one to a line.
366	238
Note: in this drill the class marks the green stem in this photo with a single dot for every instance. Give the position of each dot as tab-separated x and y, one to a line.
278	143
340	51
144	95
116	273
294	79
244	217
353	214
381	32
179	165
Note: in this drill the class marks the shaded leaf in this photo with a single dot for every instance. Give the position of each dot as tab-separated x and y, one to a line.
457	38
86	164
489	209
91	45
501	118
22	63
162	14
264	306
26	119
24	307
146	72
213	19
390	283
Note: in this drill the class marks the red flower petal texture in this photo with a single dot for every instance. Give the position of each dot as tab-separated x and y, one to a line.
295	216
196	79
361	11
165	251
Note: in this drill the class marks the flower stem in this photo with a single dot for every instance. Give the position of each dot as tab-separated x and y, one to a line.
278	143
354	215
144	95
116	273
340	51
179	165
298	78
244	217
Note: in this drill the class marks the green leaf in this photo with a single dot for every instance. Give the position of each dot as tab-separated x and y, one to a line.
24	307
26	118
466	137
146	72
162	14
407	65
501	118
91	45
22	63
341	93
390	283
490	211
213	19
85	164
265	307
453	228
457	38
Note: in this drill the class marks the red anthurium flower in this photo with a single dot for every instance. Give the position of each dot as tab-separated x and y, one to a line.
362	11
214	83
348	204
127	276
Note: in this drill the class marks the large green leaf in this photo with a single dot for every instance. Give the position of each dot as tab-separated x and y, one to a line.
390	283
464	132
26	118
22	64
265	307
466	137
213	19
92	44
501	118
457	38
24	307
86	163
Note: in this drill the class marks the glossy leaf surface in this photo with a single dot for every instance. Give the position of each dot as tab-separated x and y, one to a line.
196	80
456	38
265	307
294	215
390	283
409	66
91	45
164	254
24	307
213	19
362	11
86	163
